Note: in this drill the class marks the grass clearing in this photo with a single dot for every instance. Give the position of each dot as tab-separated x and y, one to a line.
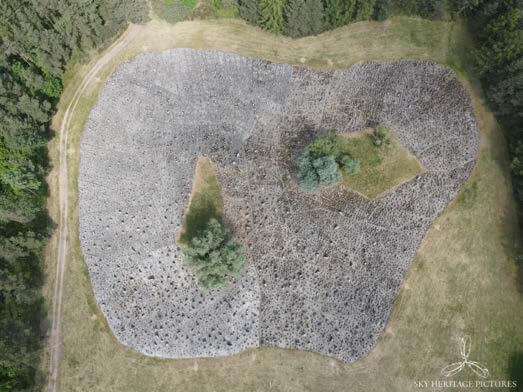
172	11
205	202
463	279
381	168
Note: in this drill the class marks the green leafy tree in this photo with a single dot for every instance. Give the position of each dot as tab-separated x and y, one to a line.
517	160
317	173
322	162
37	39
506	90
213	255
272	15
327	170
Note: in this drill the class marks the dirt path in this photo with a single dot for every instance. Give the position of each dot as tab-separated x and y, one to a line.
55	343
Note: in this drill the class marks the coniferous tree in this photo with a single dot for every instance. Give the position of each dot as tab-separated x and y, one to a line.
502	43
364	9
37	39
304	17
272	15
249	11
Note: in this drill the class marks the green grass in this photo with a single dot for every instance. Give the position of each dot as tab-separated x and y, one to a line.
382	168
206	202
173	11
189	4
462	281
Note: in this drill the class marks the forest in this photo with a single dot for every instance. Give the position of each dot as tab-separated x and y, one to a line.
37	40
498	60
299	18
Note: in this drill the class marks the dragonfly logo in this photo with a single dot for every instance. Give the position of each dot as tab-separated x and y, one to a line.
456	367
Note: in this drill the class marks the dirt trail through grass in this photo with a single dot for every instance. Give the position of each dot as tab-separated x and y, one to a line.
55	344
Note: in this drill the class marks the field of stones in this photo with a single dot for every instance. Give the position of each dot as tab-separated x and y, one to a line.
322	269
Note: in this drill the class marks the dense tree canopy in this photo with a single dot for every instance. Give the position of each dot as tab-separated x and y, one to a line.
322	163
299	18
214	255
37	39
499	63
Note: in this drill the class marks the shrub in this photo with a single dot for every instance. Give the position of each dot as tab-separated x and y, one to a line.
316	173
380	136
327	170
349	165
322	162
213	255
334	145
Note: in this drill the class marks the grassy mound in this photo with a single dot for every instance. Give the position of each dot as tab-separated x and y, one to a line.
370	162
382	168
205	203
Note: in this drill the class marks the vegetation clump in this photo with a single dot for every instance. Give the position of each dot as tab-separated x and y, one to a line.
380	136
213	255
38	39
370	163
323	163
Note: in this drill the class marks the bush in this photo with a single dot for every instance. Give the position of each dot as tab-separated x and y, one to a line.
380	136
322	162
213	255
349	165
316	173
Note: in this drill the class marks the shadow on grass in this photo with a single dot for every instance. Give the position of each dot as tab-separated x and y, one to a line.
206	202
202	209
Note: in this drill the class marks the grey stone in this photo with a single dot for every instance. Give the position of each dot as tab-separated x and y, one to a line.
323	270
